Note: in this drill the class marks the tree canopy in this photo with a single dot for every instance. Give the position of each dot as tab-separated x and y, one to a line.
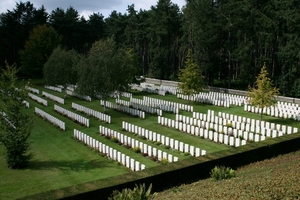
106	69
38	48
61	68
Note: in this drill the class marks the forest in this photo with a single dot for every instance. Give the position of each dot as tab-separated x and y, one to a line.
229	39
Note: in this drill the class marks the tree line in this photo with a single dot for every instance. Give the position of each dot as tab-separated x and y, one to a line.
229	39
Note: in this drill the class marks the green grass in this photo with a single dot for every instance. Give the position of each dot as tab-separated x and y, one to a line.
61	161
276	178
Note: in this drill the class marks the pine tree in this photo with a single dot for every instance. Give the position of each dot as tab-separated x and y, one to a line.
191	78
263	94
15	126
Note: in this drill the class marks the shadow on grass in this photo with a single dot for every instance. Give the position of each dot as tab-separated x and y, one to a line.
76	165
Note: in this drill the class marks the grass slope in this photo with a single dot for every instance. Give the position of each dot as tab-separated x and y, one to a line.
276	178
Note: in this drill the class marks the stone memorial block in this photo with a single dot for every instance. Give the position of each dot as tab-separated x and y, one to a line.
181	147
192	150
154	151
180	126
170	158
167	141
132	164
175	159
159	154
247	127
197	131
210	135
231	141
268	132
171	143
244	142
205	133
226	139
186	147
274	133
184	128
197	152
221	136
176	143
289	130
251	136
203	152
173	123
149	150
162	139
216	135
137	166
188	128
262	138
237	142
164	155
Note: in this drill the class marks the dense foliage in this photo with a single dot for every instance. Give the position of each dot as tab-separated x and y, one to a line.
229	39
264	93
15	125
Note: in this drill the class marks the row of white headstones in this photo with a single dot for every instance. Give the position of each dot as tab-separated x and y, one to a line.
109	151
275	111
167	141
131	111
38	99
154	102
198	131
83	120
150	104
57	89
215	98
131	142
138	106
53	97
84	97
258	126
50	118
99	115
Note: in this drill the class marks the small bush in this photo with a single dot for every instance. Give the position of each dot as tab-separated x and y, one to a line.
186	154
212	129
142	137
137	149
138	193
114	139
229	125
222	172
164	161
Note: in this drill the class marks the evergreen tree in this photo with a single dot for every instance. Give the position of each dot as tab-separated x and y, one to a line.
15	126
192	81
263	94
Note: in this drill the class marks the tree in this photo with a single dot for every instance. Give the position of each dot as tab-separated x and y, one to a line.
191	78
61	68
38	48
263	94
15	126
104	70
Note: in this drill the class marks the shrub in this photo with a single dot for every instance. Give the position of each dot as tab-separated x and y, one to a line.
137	149
186	154
164	161
222	172
114	139
212	129
229	125
138	193
142	137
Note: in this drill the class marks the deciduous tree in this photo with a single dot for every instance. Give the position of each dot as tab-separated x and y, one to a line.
104	70
61	68
38	48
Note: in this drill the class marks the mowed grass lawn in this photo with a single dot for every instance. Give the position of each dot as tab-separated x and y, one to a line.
61	161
